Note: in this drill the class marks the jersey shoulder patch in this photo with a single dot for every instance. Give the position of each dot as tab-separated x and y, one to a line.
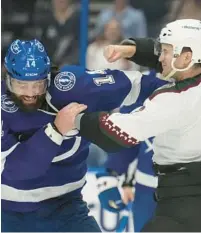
64	81
7	104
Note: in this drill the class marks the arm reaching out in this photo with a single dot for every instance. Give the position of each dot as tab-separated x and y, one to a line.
113	53
141	51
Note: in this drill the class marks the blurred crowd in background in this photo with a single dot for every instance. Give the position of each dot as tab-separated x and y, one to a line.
57	24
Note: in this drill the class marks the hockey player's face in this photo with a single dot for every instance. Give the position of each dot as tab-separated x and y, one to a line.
165	58
28	94
28	106
181	62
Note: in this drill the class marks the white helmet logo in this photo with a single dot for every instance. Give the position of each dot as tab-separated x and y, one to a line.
15	48
40	46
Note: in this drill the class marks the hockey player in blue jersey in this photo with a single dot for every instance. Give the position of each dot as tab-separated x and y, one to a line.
43	161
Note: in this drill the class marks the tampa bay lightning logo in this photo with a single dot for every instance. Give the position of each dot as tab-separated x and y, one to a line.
65	81
15	48
7	104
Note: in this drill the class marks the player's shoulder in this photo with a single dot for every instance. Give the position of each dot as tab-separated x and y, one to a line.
66	78
177	91
76	69
168	99
165	90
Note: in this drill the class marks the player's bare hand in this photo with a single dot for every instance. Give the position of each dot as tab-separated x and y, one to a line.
127	195
65	119
113	53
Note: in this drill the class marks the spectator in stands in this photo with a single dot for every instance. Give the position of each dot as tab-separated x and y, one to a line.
16	16
185	9
155	12
132	21
60	32
111	34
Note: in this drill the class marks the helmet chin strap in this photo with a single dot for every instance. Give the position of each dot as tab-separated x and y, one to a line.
8	82
169	77
184	69
49	79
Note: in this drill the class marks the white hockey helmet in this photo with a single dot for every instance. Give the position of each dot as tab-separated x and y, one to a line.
183	33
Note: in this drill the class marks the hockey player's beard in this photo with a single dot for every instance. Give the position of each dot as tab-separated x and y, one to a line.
31	107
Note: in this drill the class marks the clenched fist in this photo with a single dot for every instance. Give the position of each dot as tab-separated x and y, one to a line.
65	119
127	195
113	53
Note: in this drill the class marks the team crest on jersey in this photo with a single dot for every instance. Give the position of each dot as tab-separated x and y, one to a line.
7	104
65	81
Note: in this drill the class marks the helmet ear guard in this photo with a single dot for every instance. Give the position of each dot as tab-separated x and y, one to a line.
8	82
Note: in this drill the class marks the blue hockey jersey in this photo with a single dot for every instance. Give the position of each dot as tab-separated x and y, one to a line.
35	168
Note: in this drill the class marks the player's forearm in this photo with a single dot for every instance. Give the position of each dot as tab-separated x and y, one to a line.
31	158
90	129
144	53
